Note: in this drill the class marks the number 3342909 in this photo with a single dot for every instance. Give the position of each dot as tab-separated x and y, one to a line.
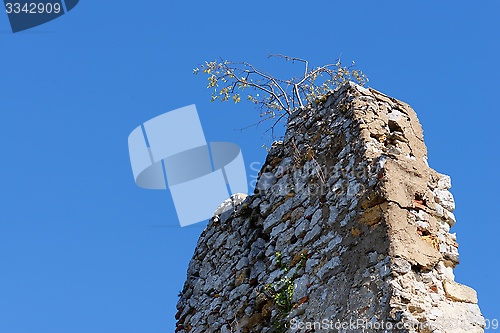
32	8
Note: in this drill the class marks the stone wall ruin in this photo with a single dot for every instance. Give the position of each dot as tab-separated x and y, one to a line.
348	231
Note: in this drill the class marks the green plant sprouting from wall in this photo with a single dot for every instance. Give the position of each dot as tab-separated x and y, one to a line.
281	292
275	97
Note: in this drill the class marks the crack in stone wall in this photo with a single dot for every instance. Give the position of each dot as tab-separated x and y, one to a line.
349	189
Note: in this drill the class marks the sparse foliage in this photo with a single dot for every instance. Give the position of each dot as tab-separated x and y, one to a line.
275	97
281	292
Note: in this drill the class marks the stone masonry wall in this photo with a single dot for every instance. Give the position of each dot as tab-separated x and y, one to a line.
348	231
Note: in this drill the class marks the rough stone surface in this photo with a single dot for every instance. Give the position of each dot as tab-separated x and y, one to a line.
459	292
350	218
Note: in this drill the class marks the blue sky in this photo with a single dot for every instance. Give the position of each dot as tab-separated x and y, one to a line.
84	250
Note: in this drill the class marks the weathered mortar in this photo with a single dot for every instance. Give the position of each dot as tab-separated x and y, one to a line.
361	223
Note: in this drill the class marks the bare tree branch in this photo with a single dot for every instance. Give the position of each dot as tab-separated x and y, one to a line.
276	97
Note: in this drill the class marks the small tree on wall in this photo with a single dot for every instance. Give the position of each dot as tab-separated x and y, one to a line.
275	98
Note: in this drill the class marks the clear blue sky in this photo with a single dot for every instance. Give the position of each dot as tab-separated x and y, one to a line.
84	250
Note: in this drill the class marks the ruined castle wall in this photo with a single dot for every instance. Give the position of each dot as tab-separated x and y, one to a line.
348	226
